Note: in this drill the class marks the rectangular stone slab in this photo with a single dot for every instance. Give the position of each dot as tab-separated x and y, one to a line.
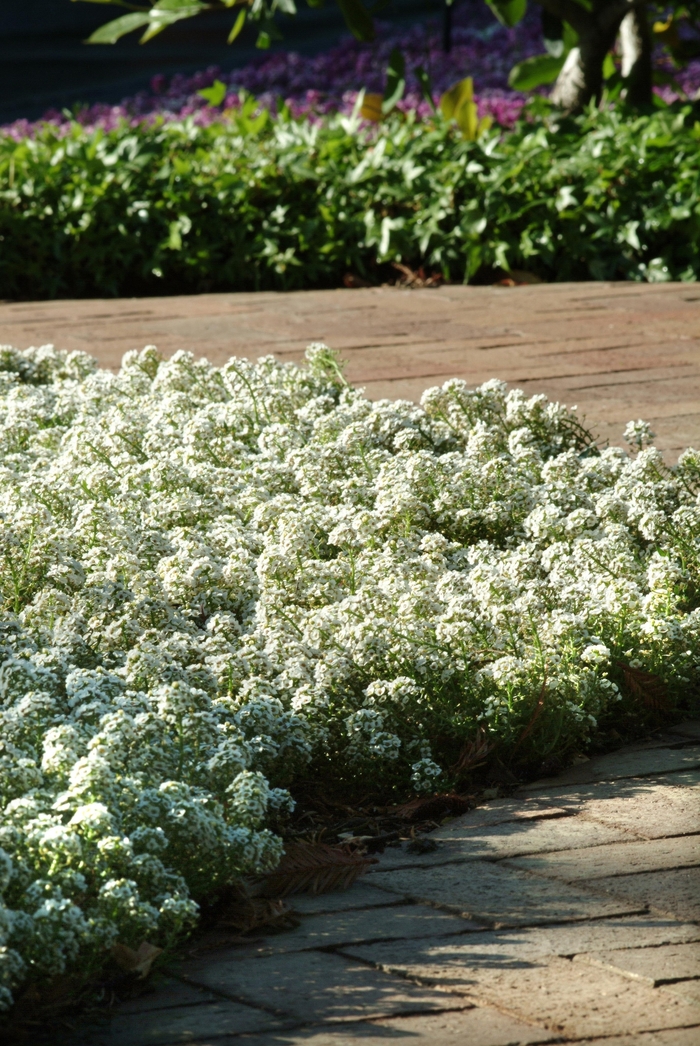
676	892
478	1026
668	1037
654	810
509	839
374	924
573	999
182	1024
497	811
360	895
625	763
687	990
316	987
655	966
615	859
500	895
442	960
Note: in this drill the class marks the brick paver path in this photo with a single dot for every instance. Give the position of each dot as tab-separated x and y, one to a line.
567	913
618	350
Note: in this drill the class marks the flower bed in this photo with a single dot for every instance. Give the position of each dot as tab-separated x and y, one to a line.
329	82
220	582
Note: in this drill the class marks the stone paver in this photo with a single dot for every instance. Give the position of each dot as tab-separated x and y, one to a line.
501	896
689	991
181	1024
676	891
576	999
660	965
476	1026
673	1037
615	765
459	841
650	809
616	858
335	929
618	350
442	960
541	929
315	987
361	895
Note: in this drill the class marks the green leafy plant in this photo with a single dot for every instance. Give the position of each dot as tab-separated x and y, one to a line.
257	201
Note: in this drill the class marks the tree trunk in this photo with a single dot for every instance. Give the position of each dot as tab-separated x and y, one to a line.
636	44
581	78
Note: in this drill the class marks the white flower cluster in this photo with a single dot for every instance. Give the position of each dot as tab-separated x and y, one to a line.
213	579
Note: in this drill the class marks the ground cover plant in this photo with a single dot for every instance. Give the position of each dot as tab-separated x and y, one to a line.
257	202
220	586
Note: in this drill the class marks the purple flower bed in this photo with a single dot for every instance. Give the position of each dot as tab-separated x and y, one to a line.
330	81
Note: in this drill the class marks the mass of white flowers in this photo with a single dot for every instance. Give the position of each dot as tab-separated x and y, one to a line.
217	580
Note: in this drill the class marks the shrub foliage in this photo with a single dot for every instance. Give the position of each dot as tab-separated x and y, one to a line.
256	202
218	582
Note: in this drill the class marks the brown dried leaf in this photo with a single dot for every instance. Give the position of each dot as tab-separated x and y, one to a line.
473	754
137	962
253	912
433	807
315	868
645	687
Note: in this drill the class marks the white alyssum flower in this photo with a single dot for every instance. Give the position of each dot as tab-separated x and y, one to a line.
215	579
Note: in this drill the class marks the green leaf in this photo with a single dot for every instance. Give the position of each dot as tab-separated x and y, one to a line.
358	19
237	26
508	12
541	69
609	68
426	86
214	94
395	80
264	40
113	31
457	96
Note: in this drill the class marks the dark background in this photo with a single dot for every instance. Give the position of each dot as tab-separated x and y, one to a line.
44	62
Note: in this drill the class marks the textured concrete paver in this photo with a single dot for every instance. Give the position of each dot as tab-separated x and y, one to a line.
672	1037
676	891
622	858
573	998
689	991
316	986
652	810
338	928
182	1024
661	965
360	895
501	896
463	843
444	960
477	1026
500	811
629	763
618	350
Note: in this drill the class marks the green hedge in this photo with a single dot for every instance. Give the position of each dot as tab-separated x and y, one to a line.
280	203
